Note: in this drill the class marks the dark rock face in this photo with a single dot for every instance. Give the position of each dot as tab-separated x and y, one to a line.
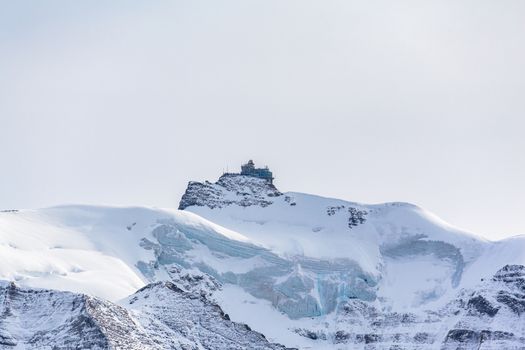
422	338
516	302
514	277
480	305
309	334
469	339
462	336
341	337
356	216
510	273
230	189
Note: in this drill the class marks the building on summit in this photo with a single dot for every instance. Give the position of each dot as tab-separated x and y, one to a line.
249	169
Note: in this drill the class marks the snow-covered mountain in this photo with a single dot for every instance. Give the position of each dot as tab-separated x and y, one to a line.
306	271
380	242
158	316
378	263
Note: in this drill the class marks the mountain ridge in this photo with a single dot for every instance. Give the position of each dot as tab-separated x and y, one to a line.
67	320
293	266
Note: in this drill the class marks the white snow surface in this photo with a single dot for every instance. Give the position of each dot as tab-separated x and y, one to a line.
87	249
90	249
305	229
401	257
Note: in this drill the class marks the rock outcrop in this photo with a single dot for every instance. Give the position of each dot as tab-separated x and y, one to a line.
230	189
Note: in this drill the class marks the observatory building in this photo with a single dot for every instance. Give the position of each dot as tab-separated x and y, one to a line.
249	169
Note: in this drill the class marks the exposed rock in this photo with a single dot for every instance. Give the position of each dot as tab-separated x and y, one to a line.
356	217
159	316
38	319
230	189
167	313
462	336
516	302
480	305
512	275
492	317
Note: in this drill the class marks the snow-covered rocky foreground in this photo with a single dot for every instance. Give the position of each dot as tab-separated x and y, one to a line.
305	271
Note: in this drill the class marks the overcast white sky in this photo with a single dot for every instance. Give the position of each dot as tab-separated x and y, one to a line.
123	102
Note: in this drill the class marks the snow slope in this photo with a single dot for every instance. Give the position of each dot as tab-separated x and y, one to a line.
385	240
305	270
85	249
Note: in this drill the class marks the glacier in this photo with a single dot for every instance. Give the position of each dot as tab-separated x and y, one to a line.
306	271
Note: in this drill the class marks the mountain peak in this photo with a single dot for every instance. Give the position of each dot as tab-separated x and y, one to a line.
252	186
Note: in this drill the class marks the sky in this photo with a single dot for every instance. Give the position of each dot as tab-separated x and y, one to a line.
124	102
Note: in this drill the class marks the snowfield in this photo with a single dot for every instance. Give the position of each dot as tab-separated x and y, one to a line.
307	271
86	249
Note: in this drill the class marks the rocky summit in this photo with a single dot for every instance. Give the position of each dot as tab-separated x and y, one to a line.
241	190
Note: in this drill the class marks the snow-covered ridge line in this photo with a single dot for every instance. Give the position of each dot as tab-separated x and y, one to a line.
158	316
